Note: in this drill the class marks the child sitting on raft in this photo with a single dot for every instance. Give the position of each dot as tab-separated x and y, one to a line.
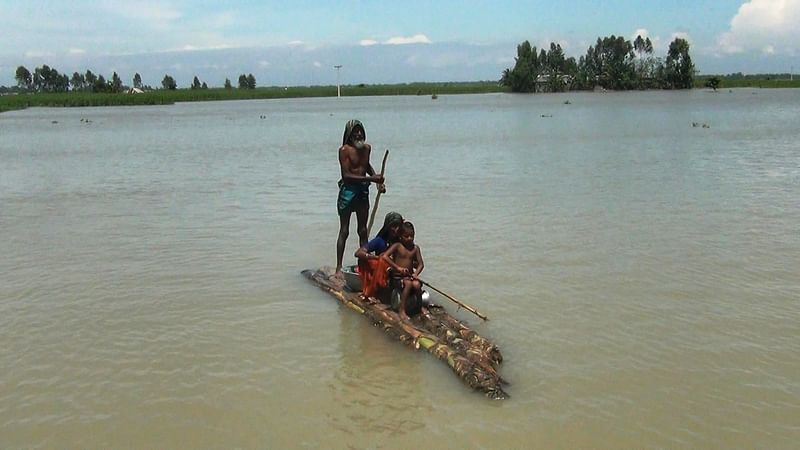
405	259
371	268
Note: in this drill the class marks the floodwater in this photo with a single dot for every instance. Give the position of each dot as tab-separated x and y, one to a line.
642	275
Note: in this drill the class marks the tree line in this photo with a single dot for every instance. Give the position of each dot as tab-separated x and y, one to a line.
613	63
48	79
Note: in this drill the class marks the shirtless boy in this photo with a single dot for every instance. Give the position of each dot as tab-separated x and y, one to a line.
405	258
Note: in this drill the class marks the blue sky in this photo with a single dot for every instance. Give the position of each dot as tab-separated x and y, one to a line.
297	42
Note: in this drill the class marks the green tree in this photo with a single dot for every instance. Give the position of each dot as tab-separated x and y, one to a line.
169	83
228	84
645	63
137	81
713	83
47	79
242	81
251	81
613	62
584	76
204	86
522	78
555	67
37	79
195	83
78	81
63	83
679	67
40	77
571	67
116	83
590	68
23	77
100	84
90	80
639	45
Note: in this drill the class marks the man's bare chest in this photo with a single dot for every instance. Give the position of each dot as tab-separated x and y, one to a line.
358	161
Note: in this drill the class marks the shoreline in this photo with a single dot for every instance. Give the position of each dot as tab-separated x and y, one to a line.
168	97
15	102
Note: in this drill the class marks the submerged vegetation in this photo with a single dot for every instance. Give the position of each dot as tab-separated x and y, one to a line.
738	80
613	63
21	100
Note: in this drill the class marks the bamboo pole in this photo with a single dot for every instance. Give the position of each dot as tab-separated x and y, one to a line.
377	197
455	300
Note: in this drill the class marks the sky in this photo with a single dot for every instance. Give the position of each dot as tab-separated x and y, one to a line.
299	42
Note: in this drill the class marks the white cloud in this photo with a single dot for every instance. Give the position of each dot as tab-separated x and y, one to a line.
680	34
769	26
545	41
199	48
76	51
660	45
263	63
317	64
302	45
397	40
640	32
402	40
565	45
32	54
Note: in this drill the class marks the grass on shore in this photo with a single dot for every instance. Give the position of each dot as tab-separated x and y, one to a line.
165	97
729	83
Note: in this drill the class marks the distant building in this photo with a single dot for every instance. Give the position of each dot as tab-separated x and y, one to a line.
135	91
543	81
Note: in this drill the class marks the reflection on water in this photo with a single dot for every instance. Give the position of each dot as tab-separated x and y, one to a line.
369	378
640	273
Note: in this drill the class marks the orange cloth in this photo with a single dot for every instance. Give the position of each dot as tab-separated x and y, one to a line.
374	275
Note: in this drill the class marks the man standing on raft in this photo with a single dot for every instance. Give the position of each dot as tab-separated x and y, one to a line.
357	174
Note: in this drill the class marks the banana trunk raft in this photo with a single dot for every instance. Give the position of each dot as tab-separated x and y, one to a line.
474	359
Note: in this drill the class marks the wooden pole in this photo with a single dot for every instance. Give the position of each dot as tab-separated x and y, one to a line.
378	197
456	301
